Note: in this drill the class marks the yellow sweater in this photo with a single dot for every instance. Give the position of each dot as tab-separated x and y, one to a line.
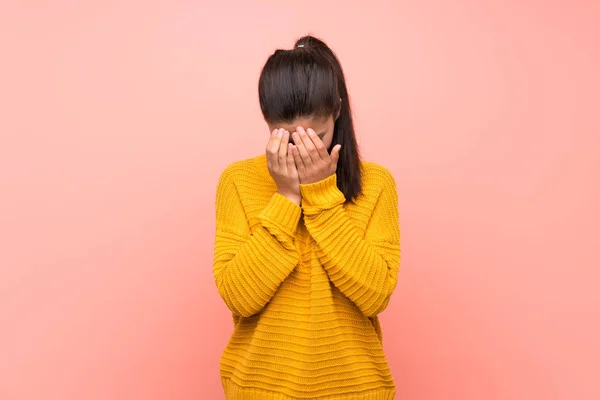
305	285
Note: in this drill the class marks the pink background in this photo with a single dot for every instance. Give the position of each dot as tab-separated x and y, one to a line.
116	118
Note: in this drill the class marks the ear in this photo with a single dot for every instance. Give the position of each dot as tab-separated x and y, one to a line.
339	110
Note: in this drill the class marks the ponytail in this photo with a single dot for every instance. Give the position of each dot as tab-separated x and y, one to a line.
309	81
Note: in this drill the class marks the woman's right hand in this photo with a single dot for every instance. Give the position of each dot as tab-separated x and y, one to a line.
282	167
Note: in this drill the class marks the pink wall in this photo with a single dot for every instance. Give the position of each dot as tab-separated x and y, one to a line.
117	117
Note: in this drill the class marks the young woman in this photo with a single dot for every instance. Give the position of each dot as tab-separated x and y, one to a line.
307	244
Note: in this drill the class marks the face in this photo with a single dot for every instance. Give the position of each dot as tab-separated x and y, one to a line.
323	127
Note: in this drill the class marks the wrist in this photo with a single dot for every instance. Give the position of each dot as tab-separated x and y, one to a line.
294	197
323	194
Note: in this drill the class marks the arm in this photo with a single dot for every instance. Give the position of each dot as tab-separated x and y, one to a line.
363	267
249	267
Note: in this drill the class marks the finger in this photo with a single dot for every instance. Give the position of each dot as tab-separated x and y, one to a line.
298	161
271	138
308	144
291	165
274	150
320	148
301	149
268	147
283	148
335	153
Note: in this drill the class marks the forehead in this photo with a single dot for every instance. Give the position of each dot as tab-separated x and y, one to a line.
319	125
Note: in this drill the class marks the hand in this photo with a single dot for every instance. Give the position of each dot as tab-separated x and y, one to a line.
311	158
282	168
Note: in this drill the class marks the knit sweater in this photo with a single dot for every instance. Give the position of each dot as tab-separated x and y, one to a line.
305	285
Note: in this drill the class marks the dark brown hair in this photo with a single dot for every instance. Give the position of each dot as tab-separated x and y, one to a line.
308	82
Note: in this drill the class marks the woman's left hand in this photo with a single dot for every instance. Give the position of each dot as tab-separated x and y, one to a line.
312	160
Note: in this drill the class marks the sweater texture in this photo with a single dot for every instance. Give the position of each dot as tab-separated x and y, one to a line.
305	285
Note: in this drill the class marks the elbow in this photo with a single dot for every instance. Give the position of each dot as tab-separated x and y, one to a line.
379	298
237	305
373	308
241	312
375	300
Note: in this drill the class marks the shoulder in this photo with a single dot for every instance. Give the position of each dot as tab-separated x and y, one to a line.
379	187
245	170
376	176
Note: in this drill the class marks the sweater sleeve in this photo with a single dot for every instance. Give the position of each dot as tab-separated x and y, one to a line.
250	266
363	266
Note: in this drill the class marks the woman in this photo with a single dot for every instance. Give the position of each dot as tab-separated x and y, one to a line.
307	244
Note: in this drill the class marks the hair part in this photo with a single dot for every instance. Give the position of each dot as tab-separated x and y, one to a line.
308	82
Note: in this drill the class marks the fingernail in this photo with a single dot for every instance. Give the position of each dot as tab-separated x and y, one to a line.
280	133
